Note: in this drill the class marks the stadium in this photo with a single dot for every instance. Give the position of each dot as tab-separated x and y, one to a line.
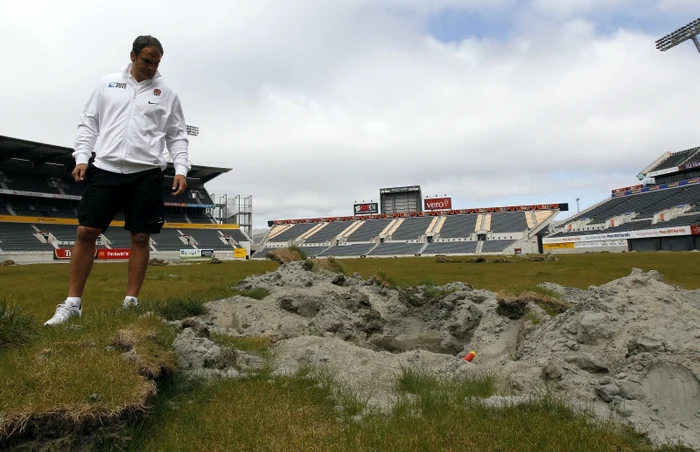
38	201
38	219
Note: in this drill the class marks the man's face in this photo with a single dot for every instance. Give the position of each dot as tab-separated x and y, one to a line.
145	64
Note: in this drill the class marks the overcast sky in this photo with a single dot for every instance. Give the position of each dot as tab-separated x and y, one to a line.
315	104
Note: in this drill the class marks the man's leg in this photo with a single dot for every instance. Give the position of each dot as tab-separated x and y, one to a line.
138	262
81	259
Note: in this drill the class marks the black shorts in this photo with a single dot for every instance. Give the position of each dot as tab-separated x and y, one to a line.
138	195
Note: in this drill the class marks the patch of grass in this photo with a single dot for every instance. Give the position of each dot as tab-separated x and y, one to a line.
178	308
532	317
16	327
513	302
330	263
576	270
552	302
257	293
253	344
385	280
431	387
94	368
284	255
257	413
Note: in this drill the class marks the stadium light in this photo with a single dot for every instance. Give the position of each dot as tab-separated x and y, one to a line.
192	130
690	31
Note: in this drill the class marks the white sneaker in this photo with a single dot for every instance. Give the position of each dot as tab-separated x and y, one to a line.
130	302
64	311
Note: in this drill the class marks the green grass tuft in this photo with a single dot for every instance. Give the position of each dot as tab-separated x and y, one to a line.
179	308
16	327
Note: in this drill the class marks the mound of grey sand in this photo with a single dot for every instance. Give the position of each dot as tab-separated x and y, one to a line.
629	348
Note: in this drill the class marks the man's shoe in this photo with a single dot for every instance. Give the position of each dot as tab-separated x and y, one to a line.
130	303
64	311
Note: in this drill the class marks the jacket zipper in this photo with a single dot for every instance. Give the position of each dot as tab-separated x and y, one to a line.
128	123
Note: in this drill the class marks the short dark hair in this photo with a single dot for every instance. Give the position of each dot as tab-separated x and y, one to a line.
146	41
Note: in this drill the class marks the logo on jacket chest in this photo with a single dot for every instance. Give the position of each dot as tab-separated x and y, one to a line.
117	85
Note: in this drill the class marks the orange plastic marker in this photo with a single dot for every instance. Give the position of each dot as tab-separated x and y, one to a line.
470	356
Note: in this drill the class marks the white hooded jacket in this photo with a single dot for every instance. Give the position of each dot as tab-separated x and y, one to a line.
127	124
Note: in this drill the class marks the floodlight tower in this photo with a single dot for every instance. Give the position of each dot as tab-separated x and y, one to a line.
690	31
192	130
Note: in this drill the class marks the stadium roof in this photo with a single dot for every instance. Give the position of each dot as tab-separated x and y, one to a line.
41	153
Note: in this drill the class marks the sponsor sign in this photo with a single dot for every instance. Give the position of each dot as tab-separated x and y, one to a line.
689	165
411	188
437	204
64	253
207	253
602	244
564	207
38	194
366	208
184	204
239	253
645	233
624	189
189	253
113	253
661	172
557	246
695	229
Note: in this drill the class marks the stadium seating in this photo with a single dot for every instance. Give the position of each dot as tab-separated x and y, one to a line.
412	228
451	248
19	237
294	232
676	159
458	226
168	240
496	246
28	182
508	222
368	231
209	239
396	249
329	232
347	250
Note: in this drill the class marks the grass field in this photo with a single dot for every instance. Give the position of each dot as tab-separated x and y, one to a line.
78	371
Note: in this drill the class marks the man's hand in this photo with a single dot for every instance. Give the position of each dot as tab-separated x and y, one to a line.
179	184
79	172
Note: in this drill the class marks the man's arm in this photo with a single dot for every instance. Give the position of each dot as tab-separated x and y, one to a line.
177	143
176	139
88	128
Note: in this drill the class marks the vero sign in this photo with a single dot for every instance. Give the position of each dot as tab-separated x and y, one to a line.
438	204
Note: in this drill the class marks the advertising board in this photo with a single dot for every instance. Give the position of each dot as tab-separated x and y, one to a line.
437	204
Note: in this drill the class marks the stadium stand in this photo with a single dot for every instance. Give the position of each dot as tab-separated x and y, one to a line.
412	228
496	246
293	232
676	159
330	231
209	238
451	248
508	222
357	249
37	194
20	237
458	226
368	231
396	249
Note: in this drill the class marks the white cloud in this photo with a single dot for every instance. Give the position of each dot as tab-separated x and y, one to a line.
316	104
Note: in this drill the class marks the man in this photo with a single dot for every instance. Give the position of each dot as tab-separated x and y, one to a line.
130	117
